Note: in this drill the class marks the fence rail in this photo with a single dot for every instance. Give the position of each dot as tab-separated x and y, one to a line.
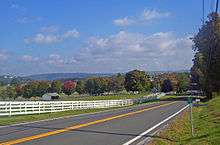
8	108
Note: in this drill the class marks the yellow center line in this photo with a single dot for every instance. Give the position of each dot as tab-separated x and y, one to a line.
29	138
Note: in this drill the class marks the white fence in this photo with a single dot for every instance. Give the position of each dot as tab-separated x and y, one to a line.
8	108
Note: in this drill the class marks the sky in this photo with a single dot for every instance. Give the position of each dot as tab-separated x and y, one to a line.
105	36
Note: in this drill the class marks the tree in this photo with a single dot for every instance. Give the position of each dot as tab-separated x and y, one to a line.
81	87
207	58
183	82
10	92
69	87
17	81
3	94
116	83
166	86
91	86
56	86
19	90
97	85
42	88
30	89
27	91
159	80
137	81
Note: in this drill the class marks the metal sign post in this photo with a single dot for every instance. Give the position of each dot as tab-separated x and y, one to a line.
190	114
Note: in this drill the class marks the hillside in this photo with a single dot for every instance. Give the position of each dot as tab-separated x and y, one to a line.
61	76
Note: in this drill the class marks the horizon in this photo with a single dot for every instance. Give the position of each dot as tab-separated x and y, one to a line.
168	71
96	36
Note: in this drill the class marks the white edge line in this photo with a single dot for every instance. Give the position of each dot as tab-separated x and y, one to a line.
155	126
66	117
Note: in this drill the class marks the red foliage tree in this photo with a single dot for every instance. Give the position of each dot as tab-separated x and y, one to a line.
69	87
19	90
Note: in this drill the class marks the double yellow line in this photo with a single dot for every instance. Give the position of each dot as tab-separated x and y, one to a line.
38	136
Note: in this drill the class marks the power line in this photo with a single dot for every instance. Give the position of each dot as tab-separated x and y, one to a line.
203	12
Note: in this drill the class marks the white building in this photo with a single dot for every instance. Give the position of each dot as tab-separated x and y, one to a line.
50	96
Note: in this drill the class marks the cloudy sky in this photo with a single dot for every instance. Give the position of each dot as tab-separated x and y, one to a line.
44	36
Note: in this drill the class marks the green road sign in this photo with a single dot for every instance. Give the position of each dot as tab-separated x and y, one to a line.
189	100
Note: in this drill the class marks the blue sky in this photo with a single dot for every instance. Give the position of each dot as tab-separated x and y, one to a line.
46	36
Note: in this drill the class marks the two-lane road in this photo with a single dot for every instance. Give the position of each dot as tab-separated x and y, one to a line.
114	127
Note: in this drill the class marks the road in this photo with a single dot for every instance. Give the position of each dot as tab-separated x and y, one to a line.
105	128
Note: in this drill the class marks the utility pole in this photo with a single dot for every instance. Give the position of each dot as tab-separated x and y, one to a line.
209	92
216	7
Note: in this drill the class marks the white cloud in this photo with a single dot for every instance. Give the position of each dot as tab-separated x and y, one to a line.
29	58
123	21
70	33
42	38
124	51
146	16
57	60
3	56
49	29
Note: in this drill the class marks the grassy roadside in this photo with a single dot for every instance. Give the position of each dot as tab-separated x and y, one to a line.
206	123
37	117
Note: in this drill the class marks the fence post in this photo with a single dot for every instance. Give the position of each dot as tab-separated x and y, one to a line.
9	108
62	106
25	108
6	107
20	106
39	107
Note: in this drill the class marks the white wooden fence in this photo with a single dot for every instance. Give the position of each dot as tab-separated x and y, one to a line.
8	108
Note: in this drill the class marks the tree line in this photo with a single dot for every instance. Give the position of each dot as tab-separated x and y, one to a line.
133	81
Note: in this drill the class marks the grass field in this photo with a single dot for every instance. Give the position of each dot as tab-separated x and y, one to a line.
108	97
207	127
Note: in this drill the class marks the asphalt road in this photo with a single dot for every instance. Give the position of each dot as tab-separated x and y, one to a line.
106	128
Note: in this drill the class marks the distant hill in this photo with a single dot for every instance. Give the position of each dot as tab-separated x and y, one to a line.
154	73
63	76
6	79
12	79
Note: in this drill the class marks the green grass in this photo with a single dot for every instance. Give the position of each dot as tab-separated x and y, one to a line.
108	97
206	123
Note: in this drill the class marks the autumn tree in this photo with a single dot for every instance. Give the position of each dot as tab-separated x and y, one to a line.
19	90
69	87
137	80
